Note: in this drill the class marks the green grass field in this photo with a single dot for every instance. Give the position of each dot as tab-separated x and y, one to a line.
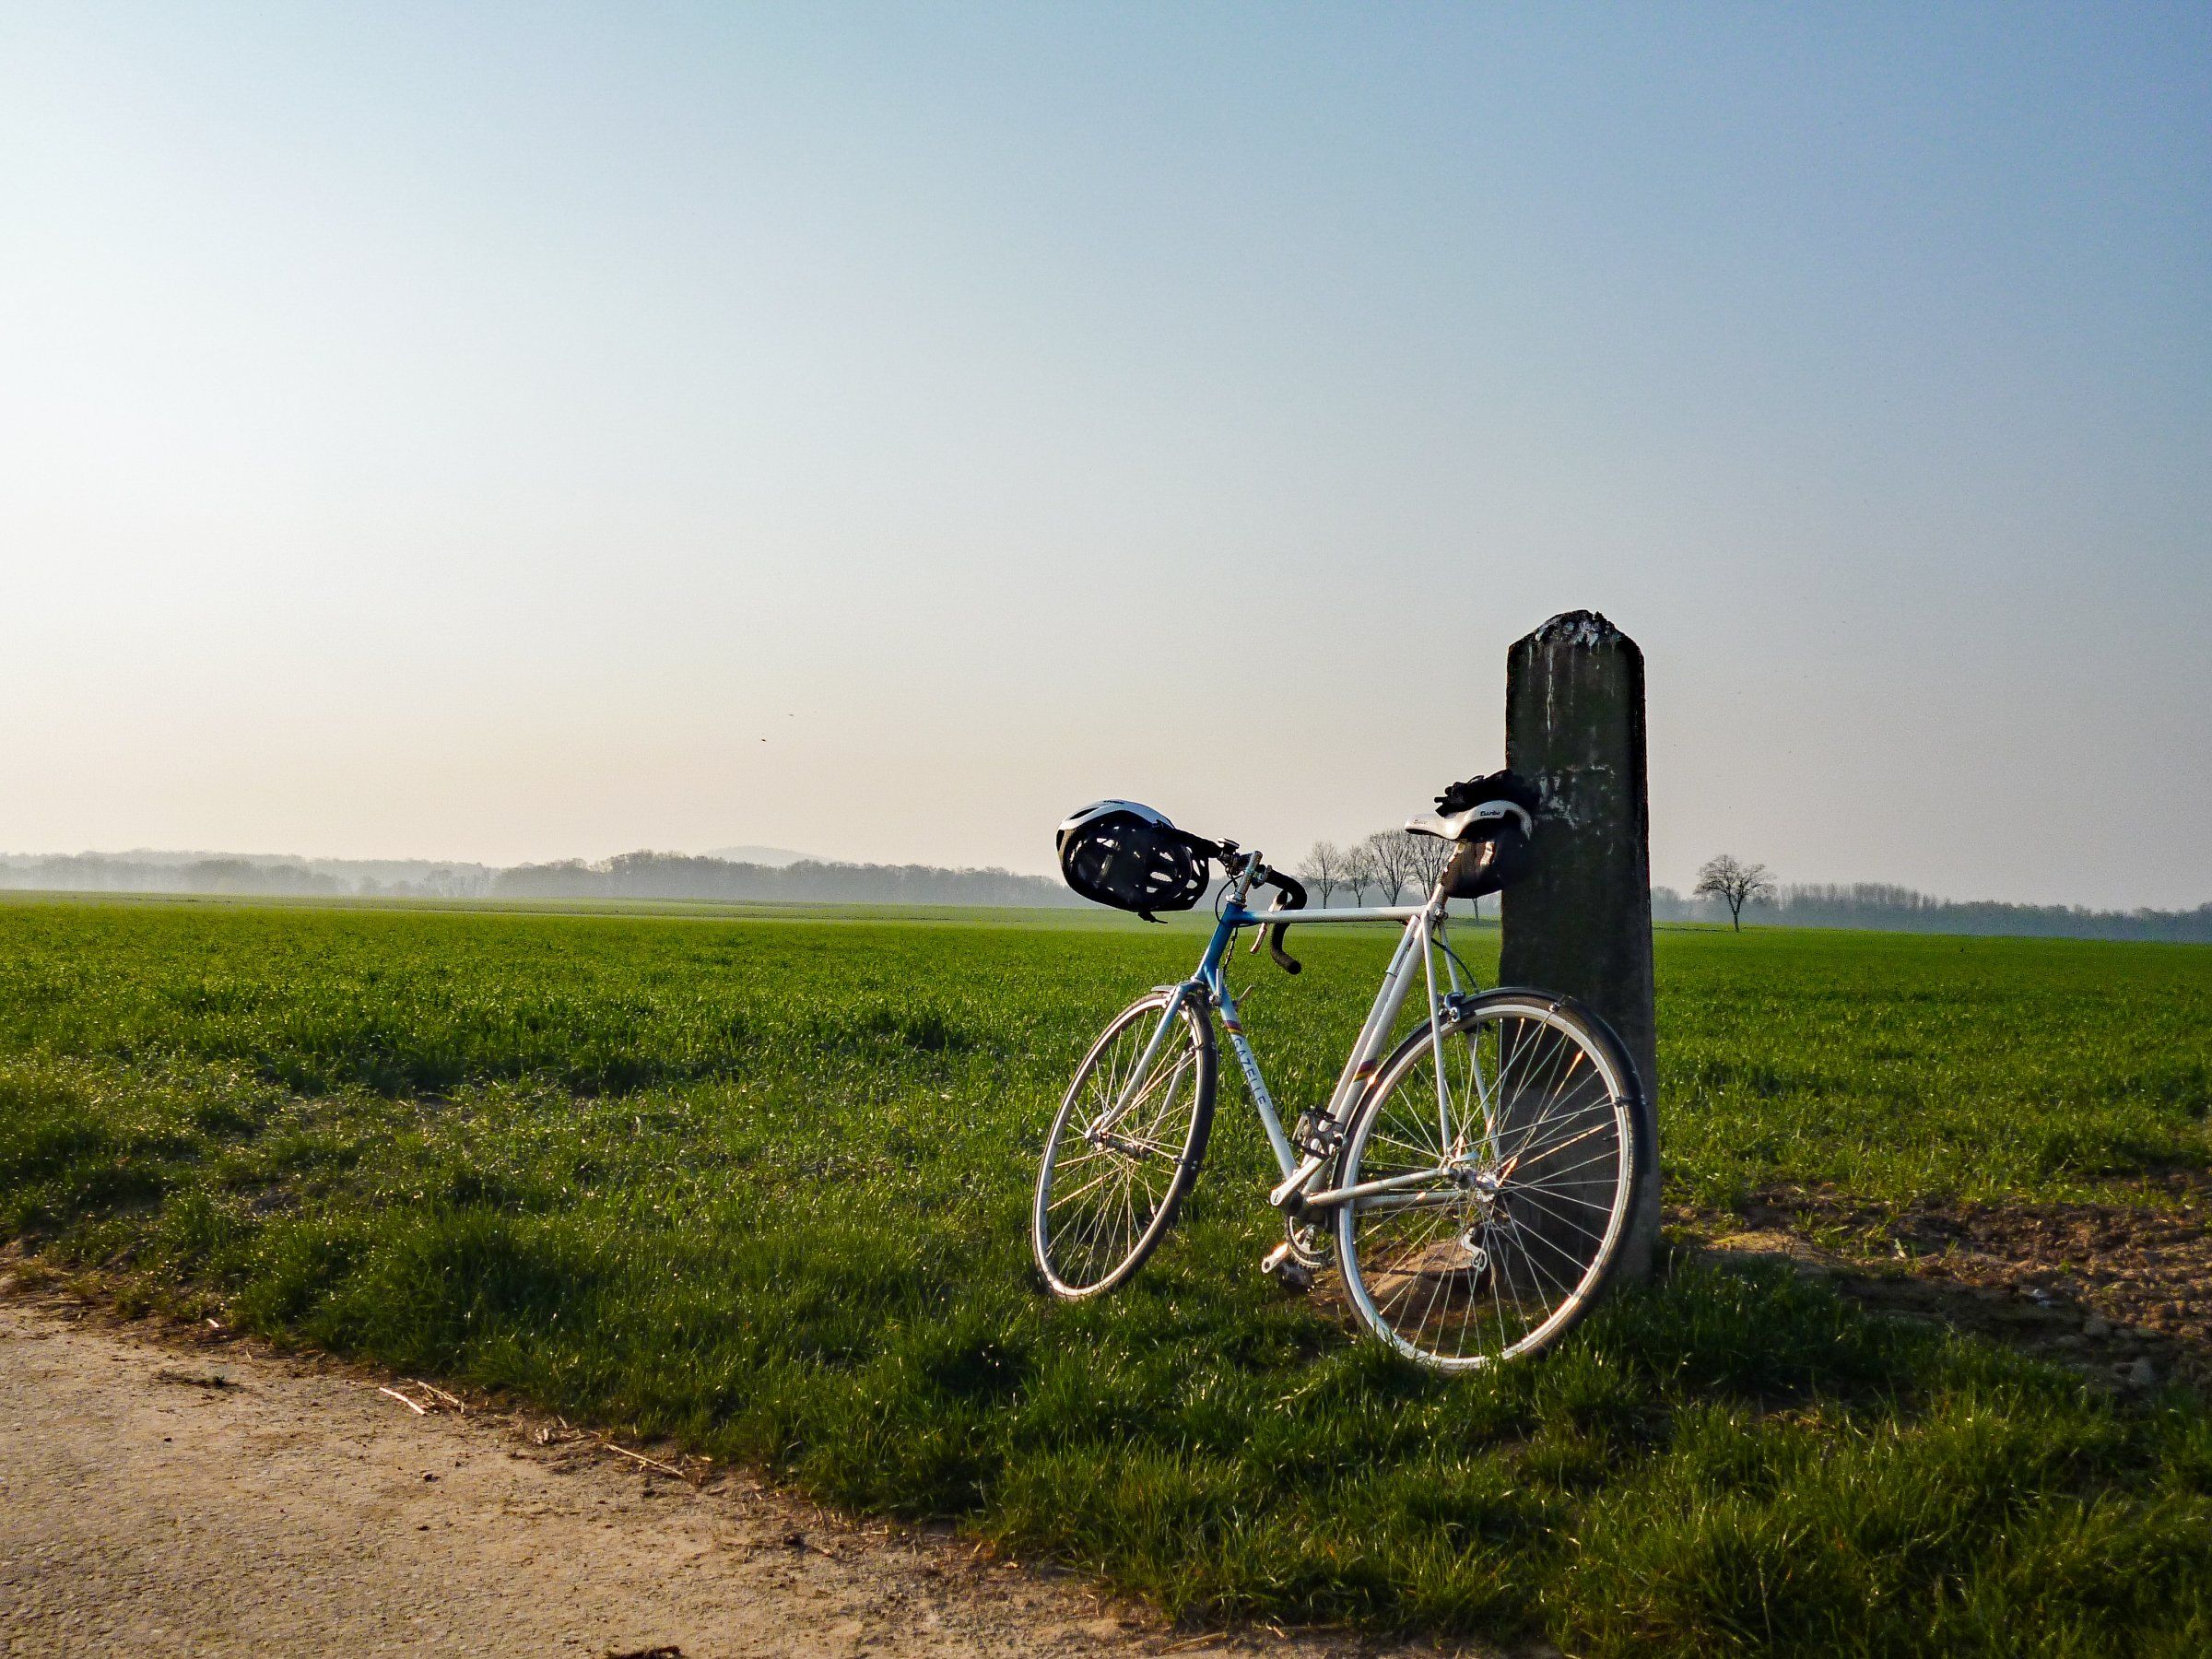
759	1185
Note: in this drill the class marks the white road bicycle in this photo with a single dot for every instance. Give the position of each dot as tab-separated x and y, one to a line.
1474	1185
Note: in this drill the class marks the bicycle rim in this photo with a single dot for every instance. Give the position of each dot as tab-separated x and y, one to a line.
1109	1183
1531	1162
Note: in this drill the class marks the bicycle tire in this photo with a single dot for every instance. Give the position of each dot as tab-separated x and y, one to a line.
1078	1259
1517	1242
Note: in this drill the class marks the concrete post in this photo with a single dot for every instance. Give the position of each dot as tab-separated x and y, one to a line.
1581	923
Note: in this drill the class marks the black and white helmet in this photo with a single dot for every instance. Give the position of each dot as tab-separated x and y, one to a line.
1126	855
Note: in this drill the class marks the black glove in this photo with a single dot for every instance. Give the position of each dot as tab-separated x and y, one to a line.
1490	786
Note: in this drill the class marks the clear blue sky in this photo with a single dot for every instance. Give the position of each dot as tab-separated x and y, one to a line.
471	431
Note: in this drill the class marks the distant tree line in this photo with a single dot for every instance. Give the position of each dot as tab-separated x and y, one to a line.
93	873
270	876
810	881
632	876
1382	869
1901	909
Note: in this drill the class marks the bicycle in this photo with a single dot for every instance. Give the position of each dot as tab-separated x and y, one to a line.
1479	1179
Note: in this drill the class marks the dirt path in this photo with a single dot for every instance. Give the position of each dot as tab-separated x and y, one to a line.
157	1498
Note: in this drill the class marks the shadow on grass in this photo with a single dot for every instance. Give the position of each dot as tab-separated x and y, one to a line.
1734	1458
2119	1292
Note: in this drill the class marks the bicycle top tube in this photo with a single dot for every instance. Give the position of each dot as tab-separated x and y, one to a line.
1234	915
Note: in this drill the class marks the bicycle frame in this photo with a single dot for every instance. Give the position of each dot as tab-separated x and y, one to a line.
1414	956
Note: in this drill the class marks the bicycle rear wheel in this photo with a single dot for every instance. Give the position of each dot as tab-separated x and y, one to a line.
1124	1147
1510	1187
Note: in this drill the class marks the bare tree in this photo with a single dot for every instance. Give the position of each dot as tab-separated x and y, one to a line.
1358	872
1323	870
1426	857
1393	852
1735	884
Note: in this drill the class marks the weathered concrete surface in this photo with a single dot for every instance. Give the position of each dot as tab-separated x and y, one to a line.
1582	921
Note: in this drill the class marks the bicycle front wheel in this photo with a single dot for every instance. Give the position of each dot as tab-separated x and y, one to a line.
1499	1192
1125	1144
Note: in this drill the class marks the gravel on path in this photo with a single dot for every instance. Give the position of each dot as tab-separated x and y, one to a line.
160	1498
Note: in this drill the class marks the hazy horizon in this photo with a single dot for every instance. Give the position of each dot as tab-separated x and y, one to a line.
14	860
502	435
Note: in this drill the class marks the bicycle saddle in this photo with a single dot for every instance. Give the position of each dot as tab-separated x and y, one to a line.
1467	824
1478	808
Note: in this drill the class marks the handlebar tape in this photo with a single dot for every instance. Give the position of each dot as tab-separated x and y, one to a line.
1293	897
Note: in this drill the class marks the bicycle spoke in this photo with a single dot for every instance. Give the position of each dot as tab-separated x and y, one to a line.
1115	1160
1106	1175
1503	1245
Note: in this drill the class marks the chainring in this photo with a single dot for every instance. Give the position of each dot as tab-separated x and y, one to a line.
1312	1243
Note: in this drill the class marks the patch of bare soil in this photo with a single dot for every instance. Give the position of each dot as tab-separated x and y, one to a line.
2122	1292
169	1492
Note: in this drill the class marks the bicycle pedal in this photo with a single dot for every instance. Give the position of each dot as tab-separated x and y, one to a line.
1285	1269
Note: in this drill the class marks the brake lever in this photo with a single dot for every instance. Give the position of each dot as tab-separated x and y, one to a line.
1260	934
1259	879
